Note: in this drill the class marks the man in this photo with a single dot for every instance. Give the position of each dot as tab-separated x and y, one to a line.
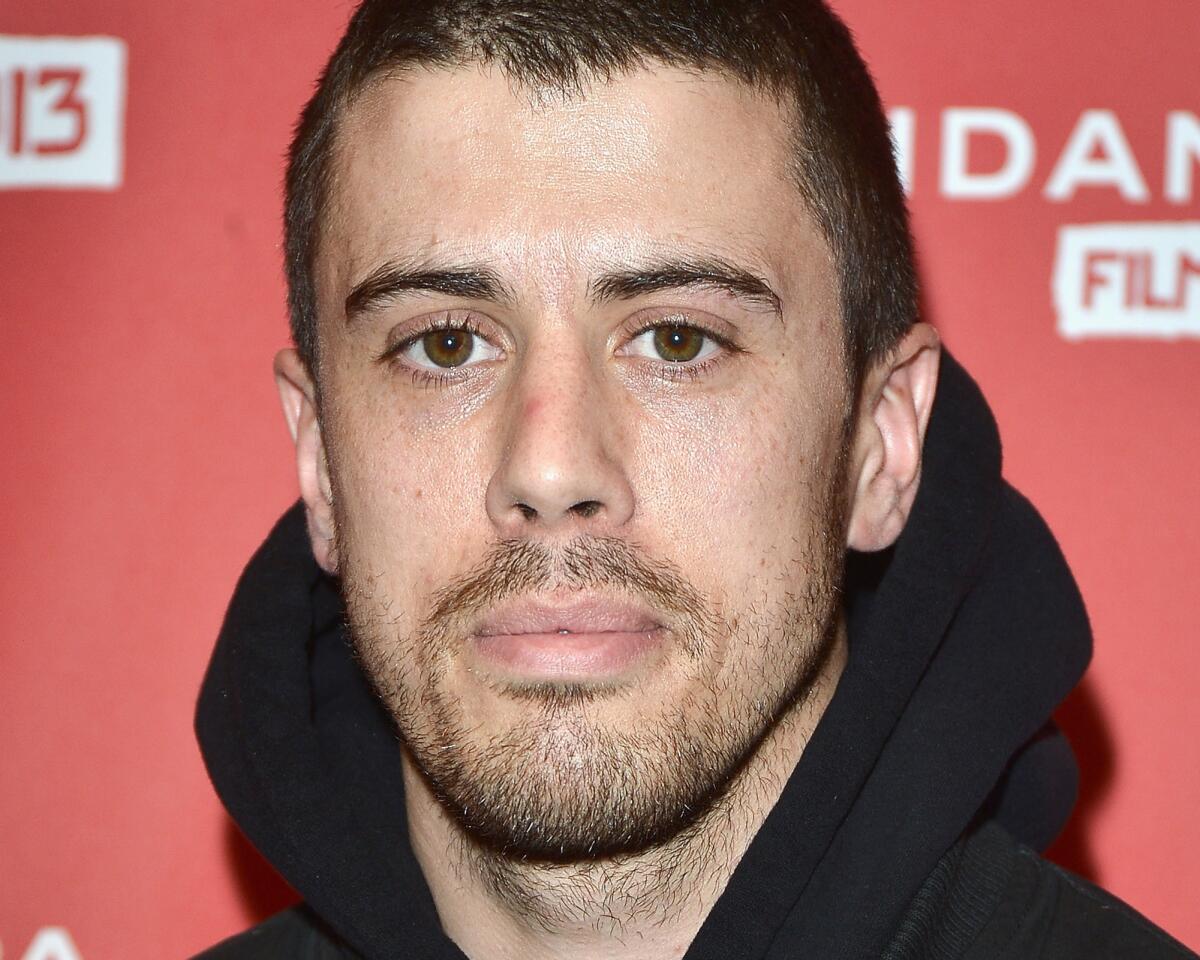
684	620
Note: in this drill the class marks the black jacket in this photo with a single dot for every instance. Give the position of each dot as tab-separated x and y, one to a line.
907	830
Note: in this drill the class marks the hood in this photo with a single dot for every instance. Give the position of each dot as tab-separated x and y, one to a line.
963	639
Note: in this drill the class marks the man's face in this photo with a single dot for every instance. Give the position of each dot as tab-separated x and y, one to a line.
583	419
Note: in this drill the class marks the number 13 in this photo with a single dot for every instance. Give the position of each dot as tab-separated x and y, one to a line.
68	102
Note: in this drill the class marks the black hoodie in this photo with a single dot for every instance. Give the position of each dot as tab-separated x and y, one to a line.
904	831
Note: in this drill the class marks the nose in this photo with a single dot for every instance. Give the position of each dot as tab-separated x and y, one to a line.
561	467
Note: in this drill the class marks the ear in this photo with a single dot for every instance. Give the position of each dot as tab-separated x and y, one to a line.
297	391
894	407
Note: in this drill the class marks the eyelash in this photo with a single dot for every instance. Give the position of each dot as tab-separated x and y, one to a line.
666	370
423	376
679	372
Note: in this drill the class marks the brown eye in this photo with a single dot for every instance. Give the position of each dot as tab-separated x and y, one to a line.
448	348
678	343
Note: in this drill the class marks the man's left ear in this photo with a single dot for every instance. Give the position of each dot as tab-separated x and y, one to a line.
894	406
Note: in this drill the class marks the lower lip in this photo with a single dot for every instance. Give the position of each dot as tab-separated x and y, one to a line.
567	656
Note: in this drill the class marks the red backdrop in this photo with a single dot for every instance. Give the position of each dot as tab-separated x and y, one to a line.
145	458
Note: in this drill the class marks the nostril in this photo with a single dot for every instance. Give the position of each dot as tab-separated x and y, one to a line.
587	508
527	511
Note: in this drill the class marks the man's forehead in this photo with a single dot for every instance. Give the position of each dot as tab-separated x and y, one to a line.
474	90
459	162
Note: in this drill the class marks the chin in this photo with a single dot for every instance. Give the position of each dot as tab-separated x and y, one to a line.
568	780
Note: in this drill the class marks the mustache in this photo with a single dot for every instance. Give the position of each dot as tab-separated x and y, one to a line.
514	567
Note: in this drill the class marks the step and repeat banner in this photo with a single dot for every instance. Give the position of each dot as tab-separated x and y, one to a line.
1051	150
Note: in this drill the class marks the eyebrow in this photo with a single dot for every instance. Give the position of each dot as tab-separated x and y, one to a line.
393	279
678	274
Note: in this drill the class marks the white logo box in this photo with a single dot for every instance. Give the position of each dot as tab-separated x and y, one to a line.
1128	280
62	112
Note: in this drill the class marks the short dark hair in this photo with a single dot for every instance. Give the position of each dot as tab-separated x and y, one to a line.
796	50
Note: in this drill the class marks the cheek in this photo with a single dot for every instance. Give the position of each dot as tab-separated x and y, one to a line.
733	488
408	496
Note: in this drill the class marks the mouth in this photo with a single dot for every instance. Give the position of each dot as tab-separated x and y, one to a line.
582	639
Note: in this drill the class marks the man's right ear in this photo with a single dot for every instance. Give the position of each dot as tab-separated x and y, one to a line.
297	392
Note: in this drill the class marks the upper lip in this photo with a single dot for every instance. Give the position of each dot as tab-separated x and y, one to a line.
584	613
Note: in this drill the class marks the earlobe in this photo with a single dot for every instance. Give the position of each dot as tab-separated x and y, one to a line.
897	398
297	393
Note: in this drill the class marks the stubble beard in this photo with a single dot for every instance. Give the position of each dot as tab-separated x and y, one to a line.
559	787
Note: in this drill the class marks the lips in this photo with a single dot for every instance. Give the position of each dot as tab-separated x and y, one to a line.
582	638
582	615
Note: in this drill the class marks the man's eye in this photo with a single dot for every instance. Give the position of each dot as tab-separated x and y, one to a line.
674	343
449	347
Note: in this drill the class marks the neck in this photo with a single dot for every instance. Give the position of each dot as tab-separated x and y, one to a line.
647	905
